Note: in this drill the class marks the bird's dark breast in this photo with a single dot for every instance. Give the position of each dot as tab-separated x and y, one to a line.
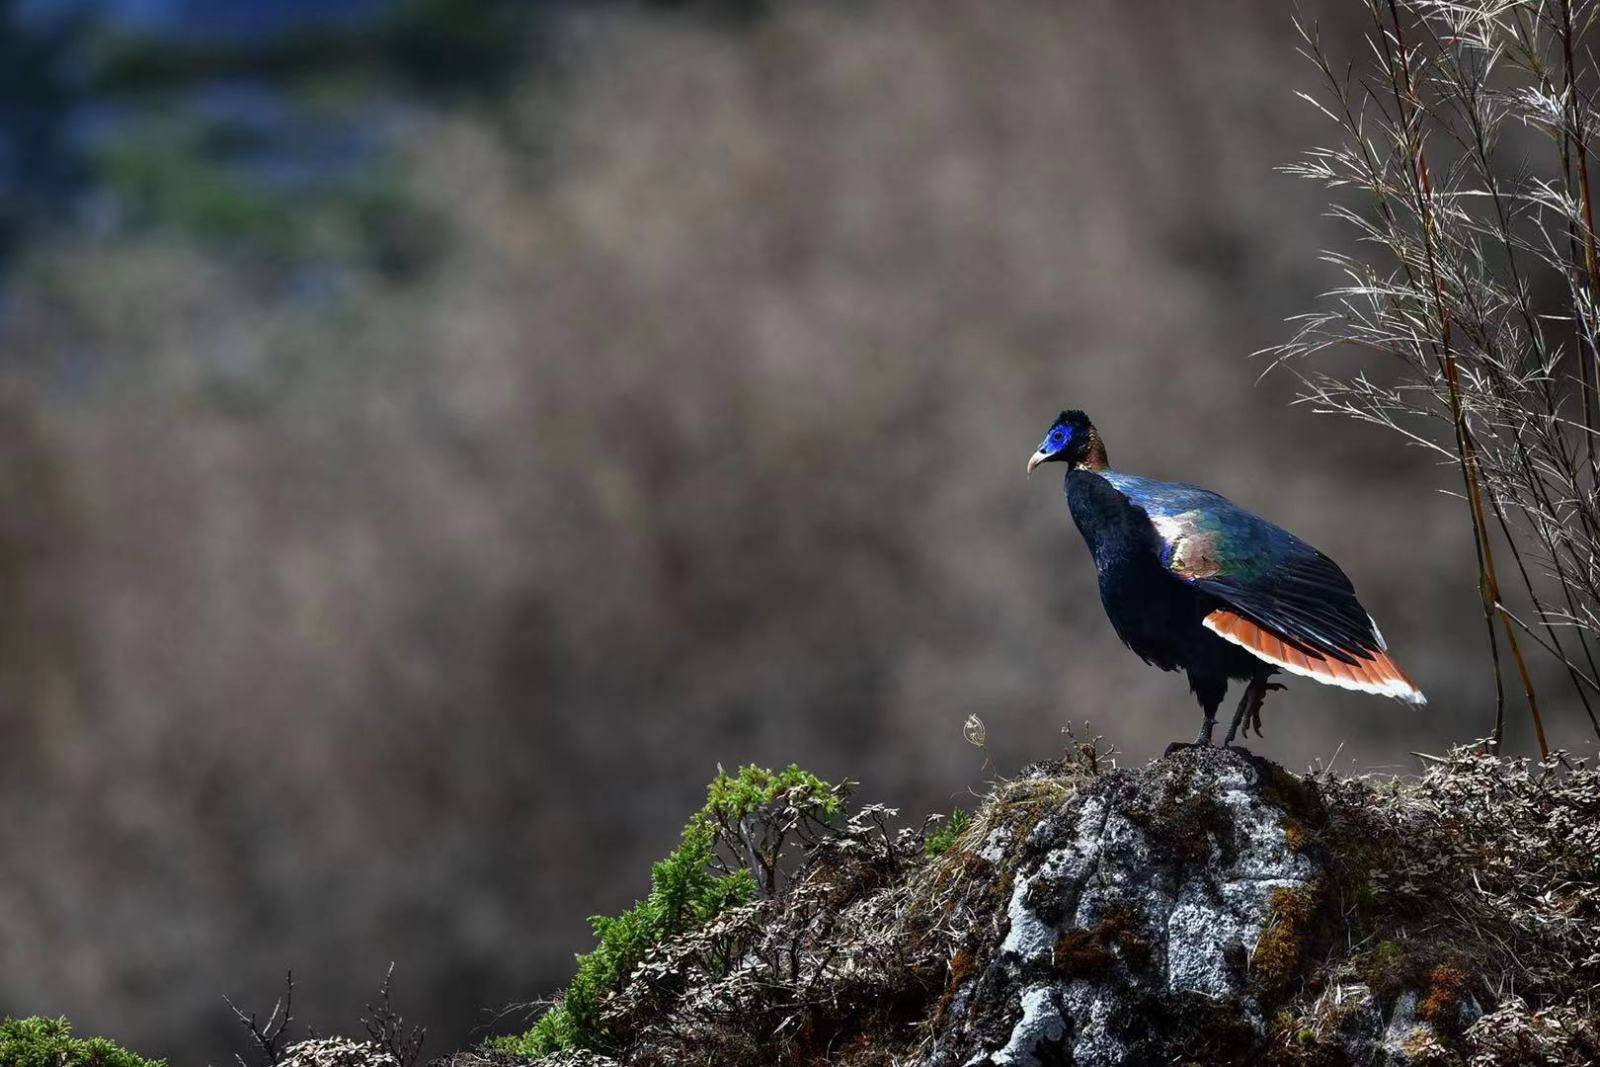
1155	614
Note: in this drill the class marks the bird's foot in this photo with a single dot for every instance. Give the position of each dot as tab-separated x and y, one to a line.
1180	746
1252	715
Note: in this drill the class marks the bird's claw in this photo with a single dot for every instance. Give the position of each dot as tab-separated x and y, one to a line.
1252	715
1252	719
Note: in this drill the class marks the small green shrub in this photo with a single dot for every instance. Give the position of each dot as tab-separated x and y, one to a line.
751	815
943	839
756	814
39	1042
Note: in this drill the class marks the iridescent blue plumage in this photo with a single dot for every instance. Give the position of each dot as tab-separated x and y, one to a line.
1259	568
1193	582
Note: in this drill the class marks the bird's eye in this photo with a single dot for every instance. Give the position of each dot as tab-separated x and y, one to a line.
1056	435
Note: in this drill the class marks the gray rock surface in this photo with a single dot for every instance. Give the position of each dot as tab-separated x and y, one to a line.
1155	918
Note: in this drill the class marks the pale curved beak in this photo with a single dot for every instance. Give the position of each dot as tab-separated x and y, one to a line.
1036	459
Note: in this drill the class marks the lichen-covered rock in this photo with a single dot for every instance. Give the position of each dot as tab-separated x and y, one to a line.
1150	905
1207	909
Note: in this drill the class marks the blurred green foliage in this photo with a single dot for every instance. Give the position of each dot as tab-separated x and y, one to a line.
173	171
129	116
432	47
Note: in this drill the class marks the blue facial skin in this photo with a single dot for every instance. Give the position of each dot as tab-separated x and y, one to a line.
1055	440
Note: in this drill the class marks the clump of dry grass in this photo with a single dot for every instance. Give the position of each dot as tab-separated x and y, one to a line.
1467	140
1475	886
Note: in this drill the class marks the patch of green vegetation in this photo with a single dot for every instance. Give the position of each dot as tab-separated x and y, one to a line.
169	173
751	814
758	813
37	1042
684	893
943	838
735	797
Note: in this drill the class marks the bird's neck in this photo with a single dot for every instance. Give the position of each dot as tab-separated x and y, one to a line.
1094	457
1116	531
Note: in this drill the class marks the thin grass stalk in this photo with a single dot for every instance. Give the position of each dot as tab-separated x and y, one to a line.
1489	583
1463	318
1470	90
1562	581
1538	608
1580	143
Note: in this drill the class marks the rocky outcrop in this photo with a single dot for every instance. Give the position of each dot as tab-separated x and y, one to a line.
1164	916
1135	916
1168	915
1207	909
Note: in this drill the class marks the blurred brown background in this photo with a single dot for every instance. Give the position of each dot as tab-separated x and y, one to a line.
434	437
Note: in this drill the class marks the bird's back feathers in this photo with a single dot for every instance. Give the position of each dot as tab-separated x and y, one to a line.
1289	604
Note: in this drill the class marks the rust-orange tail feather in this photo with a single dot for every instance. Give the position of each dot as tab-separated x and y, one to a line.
1373	671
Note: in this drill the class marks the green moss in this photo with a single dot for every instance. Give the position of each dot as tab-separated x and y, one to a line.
1184	823
943	839
39	1042
1286	939
962	966
685	893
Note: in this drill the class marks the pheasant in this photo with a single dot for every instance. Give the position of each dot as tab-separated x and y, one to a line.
1193	582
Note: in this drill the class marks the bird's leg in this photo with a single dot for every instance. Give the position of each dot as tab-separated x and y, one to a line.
1249	713
1241	714
1254	718
1203	738
1209	690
